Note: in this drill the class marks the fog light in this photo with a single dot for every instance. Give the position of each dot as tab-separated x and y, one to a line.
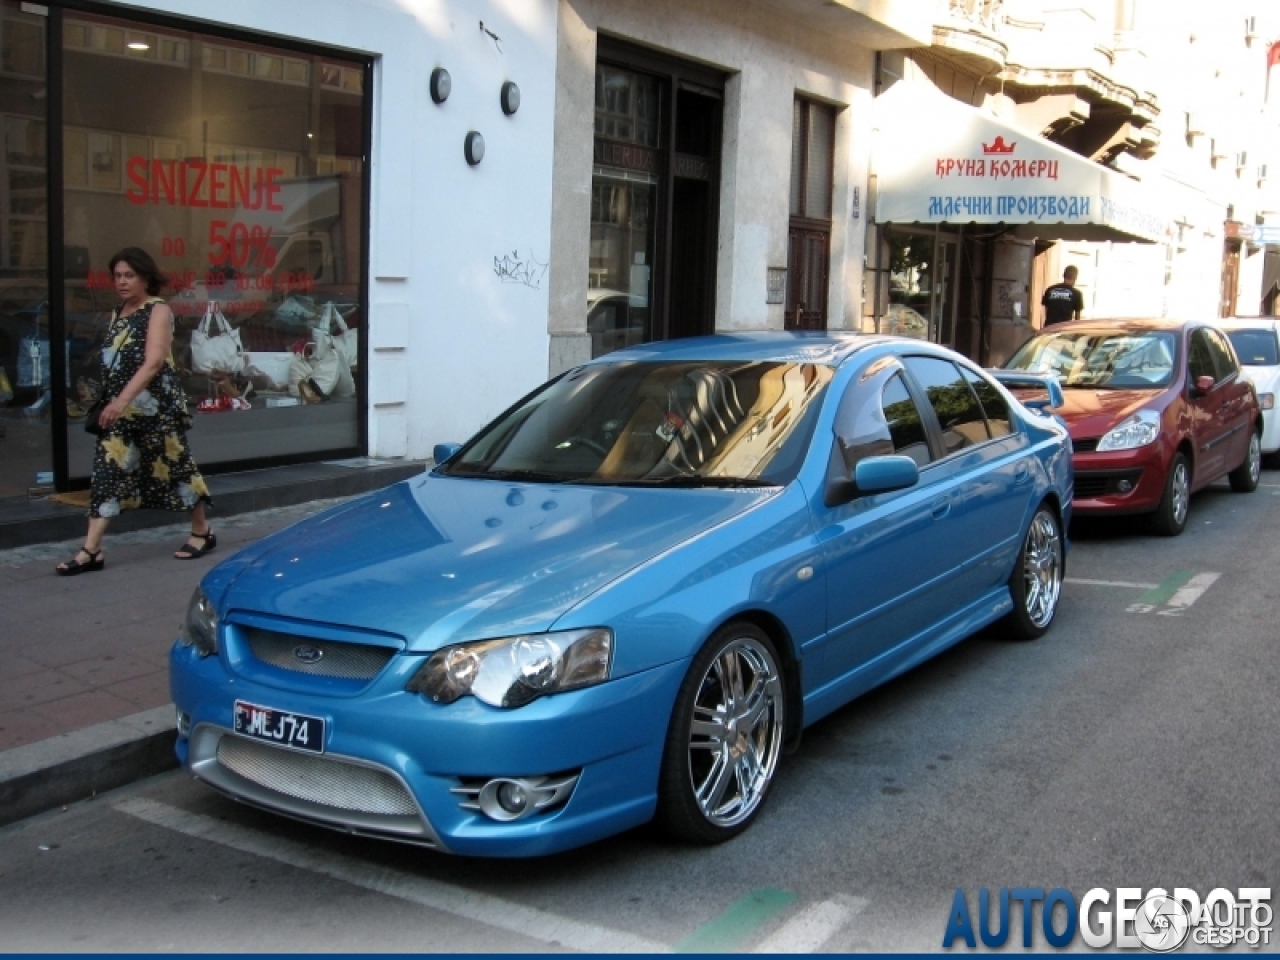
512	798
1124	486
183	724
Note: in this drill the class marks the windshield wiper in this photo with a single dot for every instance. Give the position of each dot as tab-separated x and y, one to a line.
526	476
681	481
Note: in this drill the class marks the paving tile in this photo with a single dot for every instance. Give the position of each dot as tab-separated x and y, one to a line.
144	692
38	688
18	727
108	669
85	709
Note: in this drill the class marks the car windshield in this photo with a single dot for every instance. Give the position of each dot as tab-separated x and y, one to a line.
1255	348
1113	359
704	423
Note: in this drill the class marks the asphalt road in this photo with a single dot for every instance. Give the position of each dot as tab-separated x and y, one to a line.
1134	746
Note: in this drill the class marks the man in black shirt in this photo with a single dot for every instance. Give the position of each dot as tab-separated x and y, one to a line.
1062	301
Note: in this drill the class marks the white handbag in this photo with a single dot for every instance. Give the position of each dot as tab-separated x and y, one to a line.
346	340
215	344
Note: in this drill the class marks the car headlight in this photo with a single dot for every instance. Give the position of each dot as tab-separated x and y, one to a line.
1134	431
1266	400
512	671
200	629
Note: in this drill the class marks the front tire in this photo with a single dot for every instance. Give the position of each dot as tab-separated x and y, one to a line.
1036	581
1170	518
1244	478
725	737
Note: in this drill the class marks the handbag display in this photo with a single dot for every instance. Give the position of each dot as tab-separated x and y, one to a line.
215	344
345	339
329	368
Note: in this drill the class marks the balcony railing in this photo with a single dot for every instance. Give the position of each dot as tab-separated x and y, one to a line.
986	14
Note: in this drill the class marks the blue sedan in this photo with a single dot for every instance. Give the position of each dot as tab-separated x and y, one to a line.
626	596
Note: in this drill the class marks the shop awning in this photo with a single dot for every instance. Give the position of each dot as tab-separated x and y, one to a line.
941	161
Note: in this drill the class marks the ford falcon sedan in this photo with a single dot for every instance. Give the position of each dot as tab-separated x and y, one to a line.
626	596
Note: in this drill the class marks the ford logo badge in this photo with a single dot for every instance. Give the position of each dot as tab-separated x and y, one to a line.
308	653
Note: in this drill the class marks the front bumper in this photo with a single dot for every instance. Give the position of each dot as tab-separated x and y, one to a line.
1119	481
392	760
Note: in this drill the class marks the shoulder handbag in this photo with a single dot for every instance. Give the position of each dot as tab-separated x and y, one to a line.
92	425
215	344
329	369
345	340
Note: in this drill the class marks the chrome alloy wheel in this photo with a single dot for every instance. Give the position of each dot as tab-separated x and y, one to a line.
1254	458
735	736
1181	490
1042	569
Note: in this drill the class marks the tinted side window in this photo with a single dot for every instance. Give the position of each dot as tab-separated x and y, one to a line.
956	405
875	421
906	428
1224	361
993	403
1200	359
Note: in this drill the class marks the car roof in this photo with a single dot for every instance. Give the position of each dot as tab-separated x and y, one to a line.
792	346
1125	323
1248	323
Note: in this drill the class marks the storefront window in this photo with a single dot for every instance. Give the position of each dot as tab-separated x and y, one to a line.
239	167
624	192
26	458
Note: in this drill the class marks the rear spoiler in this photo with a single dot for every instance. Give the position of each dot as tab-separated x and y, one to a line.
1023	380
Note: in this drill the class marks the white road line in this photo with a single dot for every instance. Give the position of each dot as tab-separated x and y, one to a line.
492	911
1191	591
811	927
1111	583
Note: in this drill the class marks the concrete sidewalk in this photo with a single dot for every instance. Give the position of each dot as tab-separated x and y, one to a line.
84	688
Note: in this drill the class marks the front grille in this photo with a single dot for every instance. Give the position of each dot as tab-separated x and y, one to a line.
317	779
1086	445
1092	484
349	661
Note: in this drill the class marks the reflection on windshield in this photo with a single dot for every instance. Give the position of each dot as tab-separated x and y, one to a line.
680	424
1255	348
1092	359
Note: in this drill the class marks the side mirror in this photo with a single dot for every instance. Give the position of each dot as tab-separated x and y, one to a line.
1204	384
443	451
873	475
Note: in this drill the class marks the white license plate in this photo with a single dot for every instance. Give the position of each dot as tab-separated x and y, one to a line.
282	727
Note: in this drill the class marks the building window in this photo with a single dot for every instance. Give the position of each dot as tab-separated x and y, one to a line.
654	198
813	137
240	167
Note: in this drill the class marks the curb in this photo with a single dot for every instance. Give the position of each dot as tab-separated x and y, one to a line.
75	766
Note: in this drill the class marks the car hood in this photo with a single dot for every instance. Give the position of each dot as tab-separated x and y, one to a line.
1264	379
1091	413
438	560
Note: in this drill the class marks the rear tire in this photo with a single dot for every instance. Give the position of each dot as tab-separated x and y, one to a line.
725	738
1244	478
1036	581
1170	518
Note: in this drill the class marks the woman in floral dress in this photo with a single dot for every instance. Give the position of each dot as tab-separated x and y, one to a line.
142	458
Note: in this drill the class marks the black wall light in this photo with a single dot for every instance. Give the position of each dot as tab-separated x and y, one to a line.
473	147
510	98
441	84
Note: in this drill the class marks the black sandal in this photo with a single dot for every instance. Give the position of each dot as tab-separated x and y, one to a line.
188	552
74	566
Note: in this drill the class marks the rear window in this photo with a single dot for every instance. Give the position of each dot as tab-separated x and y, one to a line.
1255	348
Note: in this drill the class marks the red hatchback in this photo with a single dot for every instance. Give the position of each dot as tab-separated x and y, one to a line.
1157	409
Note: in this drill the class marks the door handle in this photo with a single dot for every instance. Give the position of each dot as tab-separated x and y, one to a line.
941	508
1022	474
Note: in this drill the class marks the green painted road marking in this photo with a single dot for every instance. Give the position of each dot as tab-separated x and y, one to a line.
726	932
1166	588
